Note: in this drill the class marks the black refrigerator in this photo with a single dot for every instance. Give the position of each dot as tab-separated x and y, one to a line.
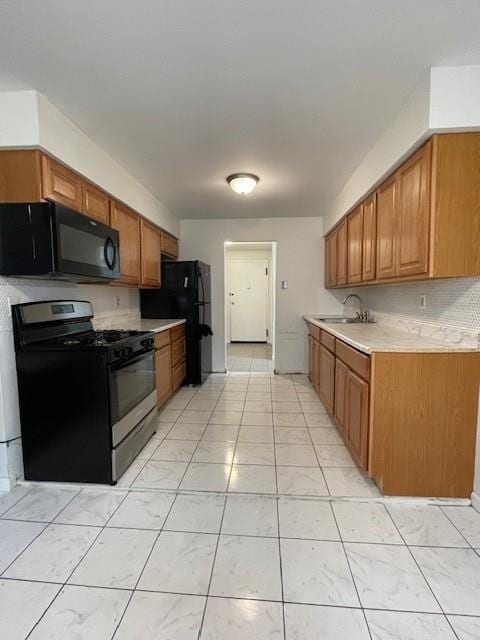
185	293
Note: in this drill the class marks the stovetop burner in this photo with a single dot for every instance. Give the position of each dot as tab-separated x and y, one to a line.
100	338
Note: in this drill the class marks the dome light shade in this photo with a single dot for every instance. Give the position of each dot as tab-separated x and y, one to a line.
243	183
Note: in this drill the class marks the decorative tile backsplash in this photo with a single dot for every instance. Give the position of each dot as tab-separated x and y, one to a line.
110	304
452	302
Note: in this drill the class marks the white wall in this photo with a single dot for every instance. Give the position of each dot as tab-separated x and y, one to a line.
28	119
446	99
455	98
236	253
18	119
408	130
299	261
60	137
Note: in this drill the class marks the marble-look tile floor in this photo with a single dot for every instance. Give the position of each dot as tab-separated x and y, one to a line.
250	357
244	517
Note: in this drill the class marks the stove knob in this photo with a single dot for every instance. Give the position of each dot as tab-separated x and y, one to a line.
118	353
128	351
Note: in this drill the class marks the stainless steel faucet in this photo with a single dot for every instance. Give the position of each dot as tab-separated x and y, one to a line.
363	315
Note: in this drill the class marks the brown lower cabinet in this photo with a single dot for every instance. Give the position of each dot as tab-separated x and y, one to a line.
326	386
408	419
170	362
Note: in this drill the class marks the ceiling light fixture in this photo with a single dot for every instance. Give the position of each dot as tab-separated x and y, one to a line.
243	183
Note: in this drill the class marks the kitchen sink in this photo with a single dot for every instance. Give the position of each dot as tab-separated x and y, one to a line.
342	320
338	320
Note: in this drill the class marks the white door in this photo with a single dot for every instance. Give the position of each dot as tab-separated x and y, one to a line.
248	291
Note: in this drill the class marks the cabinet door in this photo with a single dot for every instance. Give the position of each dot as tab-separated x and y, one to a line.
355	245
169	245
127	223
413	214
61	184
317	365
341	374
357	392
151	248
369	238
331	260
386	229
95	203
163	368
179	373
311	359
327	378
342	253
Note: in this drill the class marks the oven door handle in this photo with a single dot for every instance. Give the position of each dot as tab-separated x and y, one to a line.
110	245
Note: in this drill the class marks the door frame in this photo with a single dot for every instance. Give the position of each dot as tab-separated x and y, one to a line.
266	245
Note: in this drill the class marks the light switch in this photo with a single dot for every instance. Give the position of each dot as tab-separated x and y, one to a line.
284	284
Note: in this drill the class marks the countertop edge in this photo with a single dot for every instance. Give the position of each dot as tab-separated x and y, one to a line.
434	348
161	328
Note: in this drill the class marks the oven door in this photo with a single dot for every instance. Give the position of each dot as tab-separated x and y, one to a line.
84	247
132	393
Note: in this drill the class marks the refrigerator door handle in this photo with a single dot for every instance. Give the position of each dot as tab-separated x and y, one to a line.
185	282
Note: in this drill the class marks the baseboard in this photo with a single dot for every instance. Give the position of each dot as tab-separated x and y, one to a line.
6	484
476	501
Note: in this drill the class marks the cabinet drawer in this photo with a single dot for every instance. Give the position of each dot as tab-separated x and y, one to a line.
178	332
327	340
358	362
178	351
162	339
314	331
179	373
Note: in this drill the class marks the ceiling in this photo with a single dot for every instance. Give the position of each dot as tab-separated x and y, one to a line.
184	92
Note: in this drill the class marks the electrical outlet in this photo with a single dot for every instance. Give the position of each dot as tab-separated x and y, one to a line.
423	301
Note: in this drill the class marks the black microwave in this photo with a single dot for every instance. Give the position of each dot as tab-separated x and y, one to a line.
48	240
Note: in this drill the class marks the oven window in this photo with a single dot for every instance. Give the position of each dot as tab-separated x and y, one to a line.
130	384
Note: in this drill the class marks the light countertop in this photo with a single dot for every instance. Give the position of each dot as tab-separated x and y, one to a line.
377	337
157	326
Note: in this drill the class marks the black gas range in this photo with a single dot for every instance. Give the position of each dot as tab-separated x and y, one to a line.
87	398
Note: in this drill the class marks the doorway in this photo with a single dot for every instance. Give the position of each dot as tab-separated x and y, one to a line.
250	306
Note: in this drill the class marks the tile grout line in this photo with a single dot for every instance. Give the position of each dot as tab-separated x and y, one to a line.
207	595
281	569
143	569
350	569
430	588
64	583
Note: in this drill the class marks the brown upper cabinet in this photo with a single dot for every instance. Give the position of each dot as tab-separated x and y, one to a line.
369	238
423	221
151	247
96	203
169	245
127	223
61	184
355	245
413	214
342	253
30	175
386	205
